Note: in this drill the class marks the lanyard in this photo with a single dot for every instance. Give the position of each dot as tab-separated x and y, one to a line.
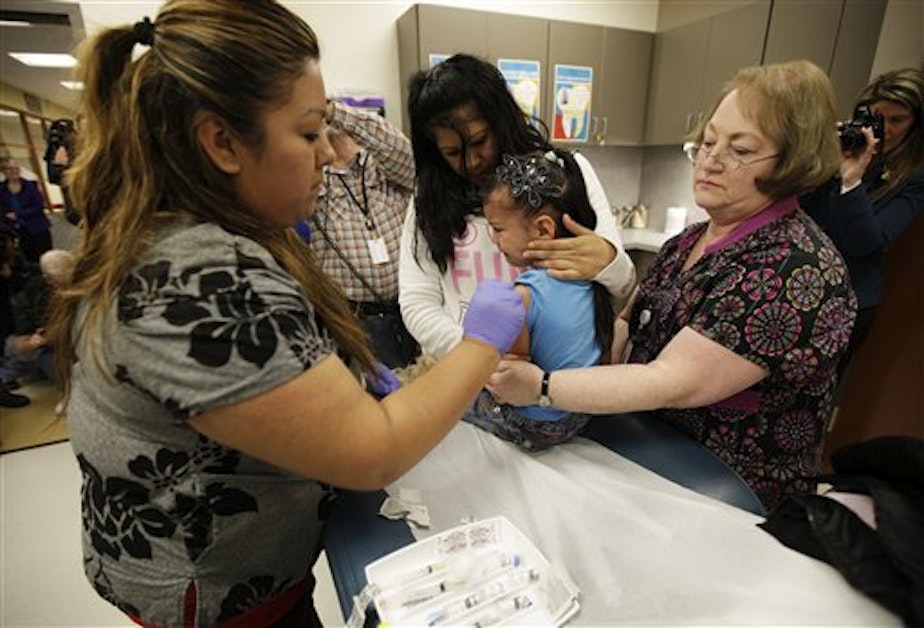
364	206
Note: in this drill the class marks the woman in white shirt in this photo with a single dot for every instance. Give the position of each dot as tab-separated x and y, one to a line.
462	118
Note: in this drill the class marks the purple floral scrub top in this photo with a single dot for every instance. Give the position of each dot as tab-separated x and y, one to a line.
776	292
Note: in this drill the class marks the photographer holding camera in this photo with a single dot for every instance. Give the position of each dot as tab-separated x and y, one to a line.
59	152
879	192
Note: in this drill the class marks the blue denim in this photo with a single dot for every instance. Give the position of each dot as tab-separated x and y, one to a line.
13	366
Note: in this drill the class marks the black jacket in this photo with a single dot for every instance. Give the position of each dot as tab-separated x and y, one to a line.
887	563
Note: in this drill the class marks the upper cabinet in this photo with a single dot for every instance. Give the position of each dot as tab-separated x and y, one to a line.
619	59
653	88
576	45
839	36
857	39
623	86
802	29
691	62
425	30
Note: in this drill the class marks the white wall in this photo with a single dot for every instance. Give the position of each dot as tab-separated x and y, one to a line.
359	47
359	41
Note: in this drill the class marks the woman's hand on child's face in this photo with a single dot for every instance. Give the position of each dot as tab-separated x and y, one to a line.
580	257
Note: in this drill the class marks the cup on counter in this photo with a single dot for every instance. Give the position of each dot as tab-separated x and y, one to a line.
675	219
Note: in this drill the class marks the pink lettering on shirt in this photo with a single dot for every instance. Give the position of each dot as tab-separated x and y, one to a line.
476	259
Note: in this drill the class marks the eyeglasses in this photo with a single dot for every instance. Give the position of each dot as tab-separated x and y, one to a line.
698	152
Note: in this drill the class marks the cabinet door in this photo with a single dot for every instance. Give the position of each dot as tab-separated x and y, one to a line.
446	30
575	44
675	89
803	29
430	29
736	40
857	39
624	86
522	38
408	58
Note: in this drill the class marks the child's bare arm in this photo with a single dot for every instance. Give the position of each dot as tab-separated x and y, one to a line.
521	346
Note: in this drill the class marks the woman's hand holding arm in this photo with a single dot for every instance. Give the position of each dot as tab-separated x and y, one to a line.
691	371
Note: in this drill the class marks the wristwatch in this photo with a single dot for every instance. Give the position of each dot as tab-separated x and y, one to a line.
544	400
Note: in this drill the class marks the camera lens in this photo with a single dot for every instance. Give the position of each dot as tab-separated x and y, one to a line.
852	137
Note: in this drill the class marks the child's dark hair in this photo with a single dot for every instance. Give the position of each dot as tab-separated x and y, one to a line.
552	183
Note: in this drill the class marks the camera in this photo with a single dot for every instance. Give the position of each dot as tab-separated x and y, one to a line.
851	133
61	133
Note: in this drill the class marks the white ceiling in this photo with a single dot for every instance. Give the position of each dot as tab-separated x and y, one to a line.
53	37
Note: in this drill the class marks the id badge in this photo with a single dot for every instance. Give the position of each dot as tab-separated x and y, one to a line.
378	250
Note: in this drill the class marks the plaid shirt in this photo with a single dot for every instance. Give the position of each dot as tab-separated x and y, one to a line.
389	184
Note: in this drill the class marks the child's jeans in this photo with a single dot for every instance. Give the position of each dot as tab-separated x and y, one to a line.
506	422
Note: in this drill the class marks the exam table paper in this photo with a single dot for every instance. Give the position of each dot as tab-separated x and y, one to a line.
641	549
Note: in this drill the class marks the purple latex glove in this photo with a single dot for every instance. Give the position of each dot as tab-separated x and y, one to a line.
383	382
303	228
496	314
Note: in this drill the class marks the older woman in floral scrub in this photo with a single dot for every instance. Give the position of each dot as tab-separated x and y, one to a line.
734	335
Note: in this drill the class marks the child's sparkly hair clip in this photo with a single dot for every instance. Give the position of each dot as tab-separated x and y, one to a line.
530	176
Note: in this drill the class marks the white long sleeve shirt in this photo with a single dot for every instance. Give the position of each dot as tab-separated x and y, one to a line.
433	303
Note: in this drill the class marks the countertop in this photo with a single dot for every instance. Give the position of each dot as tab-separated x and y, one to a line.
643	239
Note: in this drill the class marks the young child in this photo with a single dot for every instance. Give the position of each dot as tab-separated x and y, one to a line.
568	323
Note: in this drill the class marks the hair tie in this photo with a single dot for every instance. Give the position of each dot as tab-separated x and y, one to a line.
144	32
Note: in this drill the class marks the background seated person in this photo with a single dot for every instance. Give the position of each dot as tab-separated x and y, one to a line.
735	334
26	351
11	279
568	323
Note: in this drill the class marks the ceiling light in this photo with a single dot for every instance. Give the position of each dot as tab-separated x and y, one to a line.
6	113
16	23
72	84
45	60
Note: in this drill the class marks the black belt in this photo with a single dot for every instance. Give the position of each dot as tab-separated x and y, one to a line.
366	308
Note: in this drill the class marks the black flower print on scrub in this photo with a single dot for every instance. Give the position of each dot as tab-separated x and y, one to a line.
207	318
224	315
122	513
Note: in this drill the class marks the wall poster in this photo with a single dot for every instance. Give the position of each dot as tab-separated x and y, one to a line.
573	91
523	80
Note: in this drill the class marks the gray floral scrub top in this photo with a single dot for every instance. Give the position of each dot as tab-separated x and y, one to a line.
177	529
775	292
